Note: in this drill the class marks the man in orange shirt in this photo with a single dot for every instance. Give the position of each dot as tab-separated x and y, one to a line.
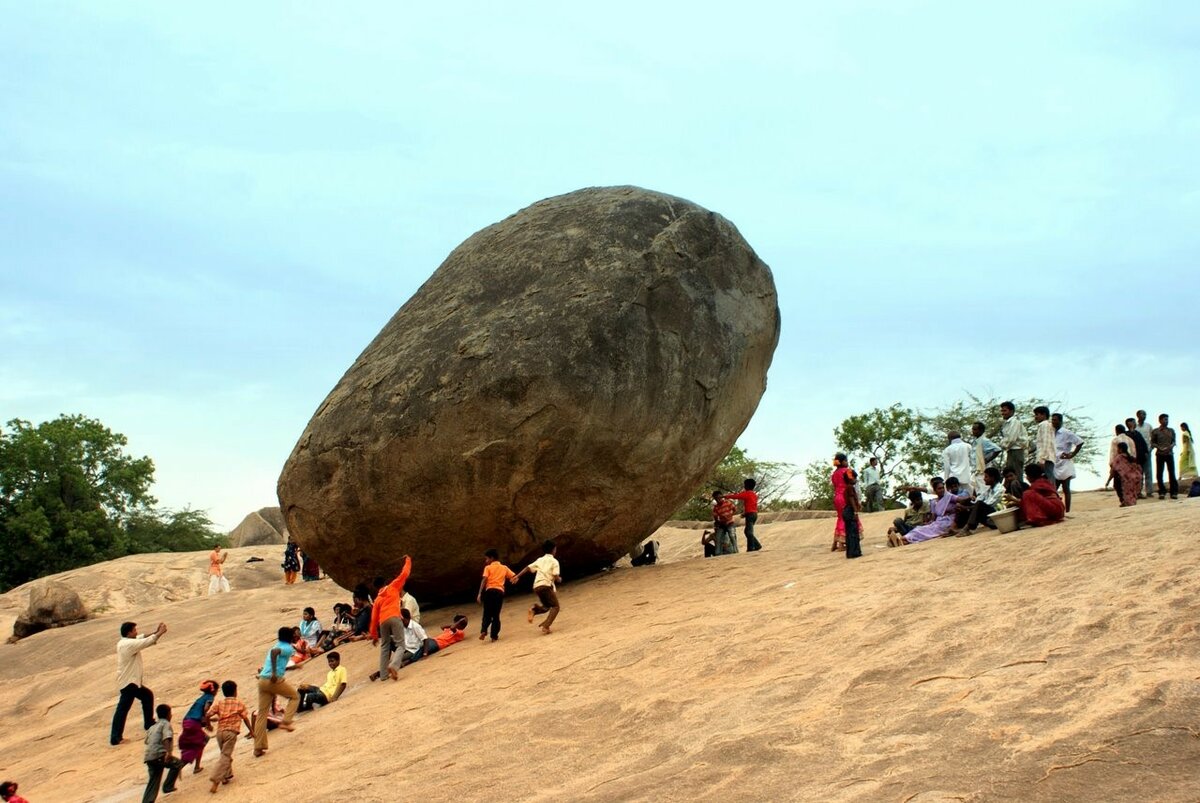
386	624
491	592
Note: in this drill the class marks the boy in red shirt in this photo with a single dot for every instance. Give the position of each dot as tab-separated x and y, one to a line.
723	520
749	500
491	592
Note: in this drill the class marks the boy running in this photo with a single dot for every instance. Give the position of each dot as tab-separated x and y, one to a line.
229	714
547	574
491	592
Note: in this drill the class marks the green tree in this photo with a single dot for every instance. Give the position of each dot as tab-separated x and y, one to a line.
70	496
818	490
773	479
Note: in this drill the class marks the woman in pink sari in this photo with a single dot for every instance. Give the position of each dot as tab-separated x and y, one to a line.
841	467
1129	476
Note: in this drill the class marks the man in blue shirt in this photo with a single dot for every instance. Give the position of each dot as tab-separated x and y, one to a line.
271	683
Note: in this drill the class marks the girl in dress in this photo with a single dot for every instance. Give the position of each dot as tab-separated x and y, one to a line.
291	561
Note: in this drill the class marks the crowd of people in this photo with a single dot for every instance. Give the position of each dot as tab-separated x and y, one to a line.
1029	477
385	613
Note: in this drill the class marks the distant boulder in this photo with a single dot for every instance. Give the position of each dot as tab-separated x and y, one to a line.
258	529
52	604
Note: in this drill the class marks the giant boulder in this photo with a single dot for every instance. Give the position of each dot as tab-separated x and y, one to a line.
571	372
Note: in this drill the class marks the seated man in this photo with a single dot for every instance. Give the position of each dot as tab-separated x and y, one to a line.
915	515
335	684
987	503
1041	504
413	648
1014	488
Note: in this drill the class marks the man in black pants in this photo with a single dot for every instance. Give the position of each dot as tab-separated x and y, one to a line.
1162	440
129	678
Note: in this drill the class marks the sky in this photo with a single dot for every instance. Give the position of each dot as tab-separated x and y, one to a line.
207	211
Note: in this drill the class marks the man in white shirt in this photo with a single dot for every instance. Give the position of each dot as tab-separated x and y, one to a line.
1145	430
130	680
956	460
987	503
1066	445
870	483
409	603
1012	439
546	575
413	648
1044	449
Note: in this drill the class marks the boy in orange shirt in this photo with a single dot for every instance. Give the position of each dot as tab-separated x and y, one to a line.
491	592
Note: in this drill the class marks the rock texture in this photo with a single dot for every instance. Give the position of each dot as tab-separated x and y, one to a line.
259	528
571	372
51	604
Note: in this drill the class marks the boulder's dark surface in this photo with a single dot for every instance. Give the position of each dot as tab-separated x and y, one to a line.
51	604
571	372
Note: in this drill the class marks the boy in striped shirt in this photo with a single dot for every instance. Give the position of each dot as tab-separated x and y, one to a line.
229	714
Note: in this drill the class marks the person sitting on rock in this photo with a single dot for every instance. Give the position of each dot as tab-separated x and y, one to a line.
412	645
648	556
310	630
1041	504
915	515
451	634
335	684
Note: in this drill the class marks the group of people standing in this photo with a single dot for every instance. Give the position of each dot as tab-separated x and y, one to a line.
1137	449
982	476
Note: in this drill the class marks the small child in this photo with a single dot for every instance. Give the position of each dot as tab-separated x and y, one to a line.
850	517
159	740
749	499
8	793
547	574
723	512
229	714
491	592
708	540
192	737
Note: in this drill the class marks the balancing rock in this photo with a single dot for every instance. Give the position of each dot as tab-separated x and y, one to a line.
572	372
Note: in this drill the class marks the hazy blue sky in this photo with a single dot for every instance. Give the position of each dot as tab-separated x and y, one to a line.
206	212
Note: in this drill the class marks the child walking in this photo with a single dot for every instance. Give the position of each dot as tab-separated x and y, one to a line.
229	714
491	592
159	741
547	574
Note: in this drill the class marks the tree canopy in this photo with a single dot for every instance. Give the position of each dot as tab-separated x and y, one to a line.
71	496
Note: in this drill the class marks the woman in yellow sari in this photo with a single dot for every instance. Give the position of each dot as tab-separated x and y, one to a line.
1187	454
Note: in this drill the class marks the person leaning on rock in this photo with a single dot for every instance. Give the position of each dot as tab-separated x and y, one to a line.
129	678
